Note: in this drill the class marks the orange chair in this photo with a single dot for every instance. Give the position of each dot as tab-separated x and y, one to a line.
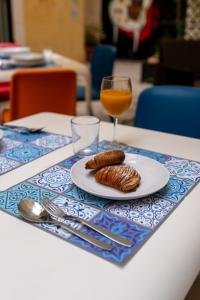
40	90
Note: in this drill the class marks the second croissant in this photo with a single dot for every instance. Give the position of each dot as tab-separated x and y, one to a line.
123	178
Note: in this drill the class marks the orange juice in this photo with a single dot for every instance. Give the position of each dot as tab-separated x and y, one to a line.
115	102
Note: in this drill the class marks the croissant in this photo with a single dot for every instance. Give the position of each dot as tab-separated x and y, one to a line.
123	178
106	158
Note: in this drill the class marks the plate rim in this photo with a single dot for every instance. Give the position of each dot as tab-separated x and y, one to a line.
28	56
15	50
126	196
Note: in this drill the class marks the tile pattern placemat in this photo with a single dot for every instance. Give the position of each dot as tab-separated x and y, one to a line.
137	219
17	149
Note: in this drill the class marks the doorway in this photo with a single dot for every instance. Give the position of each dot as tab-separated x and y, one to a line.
5	21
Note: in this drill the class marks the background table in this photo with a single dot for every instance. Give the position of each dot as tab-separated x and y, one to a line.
82	71
37	265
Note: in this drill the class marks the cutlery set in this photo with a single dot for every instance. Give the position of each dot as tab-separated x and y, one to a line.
20	129
49	212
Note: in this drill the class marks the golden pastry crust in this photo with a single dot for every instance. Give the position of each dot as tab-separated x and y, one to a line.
107	158
123	178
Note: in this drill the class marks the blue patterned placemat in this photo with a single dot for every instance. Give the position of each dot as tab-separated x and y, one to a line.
137	219
17	149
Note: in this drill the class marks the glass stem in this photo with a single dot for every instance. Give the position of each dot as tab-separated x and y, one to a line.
115	122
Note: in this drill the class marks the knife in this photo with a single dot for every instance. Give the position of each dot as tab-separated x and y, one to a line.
53	209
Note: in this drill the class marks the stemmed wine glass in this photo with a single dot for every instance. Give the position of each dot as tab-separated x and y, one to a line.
116	98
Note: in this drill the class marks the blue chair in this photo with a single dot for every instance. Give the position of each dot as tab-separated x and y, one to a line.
103	59
172	109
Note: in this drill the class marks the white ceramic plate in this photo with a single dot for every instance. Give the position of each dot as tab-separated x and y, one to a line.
1	134
28	59
9	51
154	176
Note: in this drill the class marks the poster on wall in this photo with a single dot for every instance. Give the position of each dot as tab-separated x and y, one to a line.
133	23
137	27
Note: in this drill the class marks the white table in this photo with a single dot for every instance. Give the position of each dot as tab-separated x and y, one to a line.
36	265
82	71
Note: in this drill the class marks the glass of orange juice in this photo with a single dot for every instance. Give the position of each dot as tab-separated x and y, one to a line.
116	98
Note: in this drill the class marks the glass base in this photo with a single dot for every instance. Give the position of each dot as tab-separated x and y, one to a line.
114	146
87	151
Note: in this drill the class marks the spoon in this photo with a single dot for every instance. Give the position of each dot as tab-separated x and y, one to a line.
33	212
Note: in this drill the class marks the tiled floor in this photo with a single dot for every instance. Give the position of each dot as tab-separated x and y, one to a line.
194	293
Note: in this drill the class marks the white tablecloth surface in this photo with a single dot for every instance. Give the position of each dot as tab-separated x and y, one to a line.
36	265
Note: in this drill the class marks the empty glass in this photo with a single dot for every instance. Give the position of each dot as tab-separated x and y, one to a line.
85	135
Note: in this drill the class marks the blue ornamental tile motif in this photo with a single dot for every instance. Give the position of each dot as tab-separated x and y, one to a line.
5	133
175	190
3	197
68	163
119	254
10	198
136	219
52	141
20	148
56	179
56	229
76	208
7	164
162	158
147	212
183	168
78	194
7	144
25	138
25	153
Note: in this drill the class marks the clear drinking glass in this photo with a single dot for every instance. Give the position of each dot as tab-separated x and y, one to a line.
85	135
116	98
